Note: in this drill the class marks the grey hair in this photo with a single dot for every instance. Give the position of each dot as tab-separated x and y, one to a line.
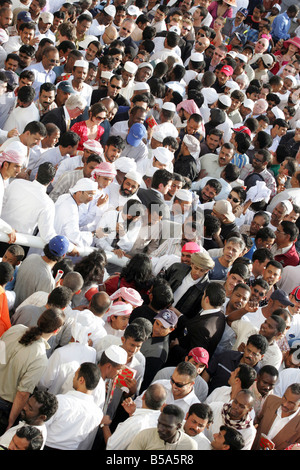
76	101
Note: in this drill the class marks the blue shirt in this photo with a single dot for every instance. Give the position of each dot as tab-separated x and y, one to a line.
281	26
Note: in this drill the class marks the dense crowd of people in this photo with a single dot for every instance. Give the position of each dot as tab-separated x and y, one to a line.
149	227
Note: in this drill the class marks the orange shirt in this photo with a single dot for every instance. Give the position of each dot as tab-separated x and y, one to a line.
5	323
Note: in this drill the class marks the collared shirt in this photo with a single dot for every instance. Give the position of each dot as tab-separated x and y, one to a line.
41	76
183	403
281	26
27	206
280	422
75	423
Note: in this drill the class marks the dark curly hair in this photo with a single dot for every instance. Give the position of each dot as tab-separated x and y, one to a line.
91	267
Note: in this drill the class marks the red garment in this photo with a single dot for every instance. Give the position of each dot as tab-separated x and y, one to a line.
81	129
5	323
290	258
111	284
279	63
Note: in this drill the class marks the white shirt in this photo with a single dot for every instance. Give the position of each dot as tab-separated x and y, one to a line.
62	362
18	118
116	200
255	318
279	422
120	128
183	403
248	433
141	419
289	279
75	423
187	282
26	206
109	220
41	76
67	221
67	164
286	378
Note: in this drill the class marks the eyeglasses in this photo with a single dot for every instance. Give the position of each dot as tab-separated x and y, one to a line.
140	59
127	30
177	384
100	118
261	294
237	201
257	159
186	28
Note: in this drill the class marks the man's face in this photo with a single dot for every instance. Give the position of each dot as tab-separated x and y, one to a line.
239	298
79	74
131	346
30	411
32	139
18	443
257	223
271	275
43	27
208	193
185	257
277	214
6	19
197	272
258	293
82	27
34	9
288	70
103	181
235	104
182	384
129	187
46	98
91	52
175	186
13	169
125	29
232	280
119	322
138	117
231	251
159	16
88	168
143	74
61	96
268	329
252	355
114	87
51	59
26	35
225	156
194	425
167	427
159	330
218	56
290	403
25	61
240	406
111	153
218	441
192	127
222	78
11	64
87	196
53	138
265	383
294	310
260	47
212	142
119	17
280	131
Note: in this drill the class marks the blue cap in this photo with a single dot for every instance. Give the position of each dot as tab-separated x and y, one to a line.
136	133
24	16
244	11
66	87
59	245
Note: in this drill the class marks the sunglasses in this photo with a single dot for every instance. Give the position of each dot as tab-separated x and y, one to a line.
116	86
100	118
177	384
234	199
261	294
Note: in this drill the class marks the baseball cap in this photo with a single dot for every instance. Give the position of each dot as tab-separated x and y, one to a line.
66	87
296	293
282	296
224	208
244	11
136	133
167	317
24	16
227	69
267	60
191	247
243	129
200	355
58	245
47	17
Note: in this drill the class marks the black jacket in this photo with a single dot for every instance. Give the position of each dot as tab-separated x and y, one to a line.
190	302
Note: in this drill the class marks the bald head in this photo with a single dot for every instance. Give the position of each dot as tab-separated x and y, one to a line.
154	397
100	303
